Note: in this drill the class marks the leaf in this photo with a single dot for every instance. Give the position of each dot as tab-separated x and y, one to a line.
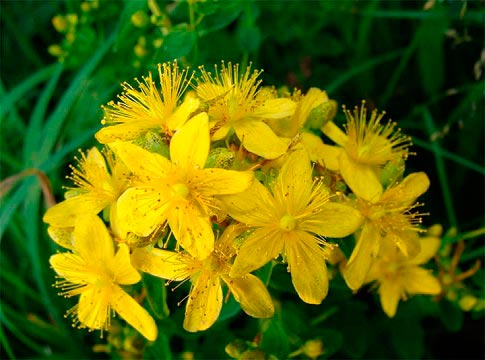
430	53
407	334
156	295
229	309
220	18
274	339
249	38
451	315
160	349
332	341
178	43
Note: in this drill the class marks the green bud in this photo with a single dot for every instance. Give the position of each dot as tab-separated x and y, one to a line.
153	142
220	158
321	114
391	172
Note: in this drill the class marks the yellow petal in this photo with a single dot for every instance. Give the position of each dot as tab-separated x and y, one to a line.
334	220
93	309
334	133
182	113
214	181
251	133
251	207
67	265
134	314
311	100
362	256
275	109
319	152
261	246
330	156
124	131
429	247
121	268
307	267
204	304
192	230
141	210
361	178
64	214
189	146
140	161
251	293
62	236
165	264
295	181
390	293
92	240
406	192
417	280
95	157
221	132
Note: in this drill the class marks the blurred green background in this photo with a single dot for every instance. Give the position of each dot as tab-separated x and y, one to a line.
421	61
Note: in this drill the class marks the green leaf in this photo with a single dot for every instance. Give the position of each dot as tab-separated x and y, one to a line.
225	15
407	335
332	341
230	309
249	38
160	349
451	315
430	53
17	93
274	339
178	43
156	295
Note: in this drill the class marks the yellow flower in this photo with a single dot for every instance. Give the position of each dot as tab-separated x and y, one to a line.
235	103
179	191
148	109
365	148
291	220
95	272
388	219
99	180
397	276
312	110
205	297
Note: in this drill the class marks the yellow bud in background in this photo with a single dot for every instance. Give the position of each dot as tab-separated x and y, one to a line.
72	19
85	6
60	23
467	302
140	19
56	50
313	348
435	230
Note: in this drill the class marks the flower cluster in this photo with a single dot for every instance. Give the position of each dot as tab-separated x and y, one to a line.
207	179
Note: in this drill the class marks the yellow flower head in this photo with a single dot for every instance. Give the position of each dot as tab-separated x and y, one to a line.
205	297
99	181
388	219
149	109
397	276
95	272
179	191
291	220
365	148
235	103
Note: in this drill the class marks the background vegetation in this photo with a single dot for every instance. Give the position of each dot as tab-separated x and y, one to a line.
421	61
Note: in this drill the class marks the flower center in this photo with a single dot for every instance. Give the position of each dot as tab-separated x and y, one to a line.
287	222
181	190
